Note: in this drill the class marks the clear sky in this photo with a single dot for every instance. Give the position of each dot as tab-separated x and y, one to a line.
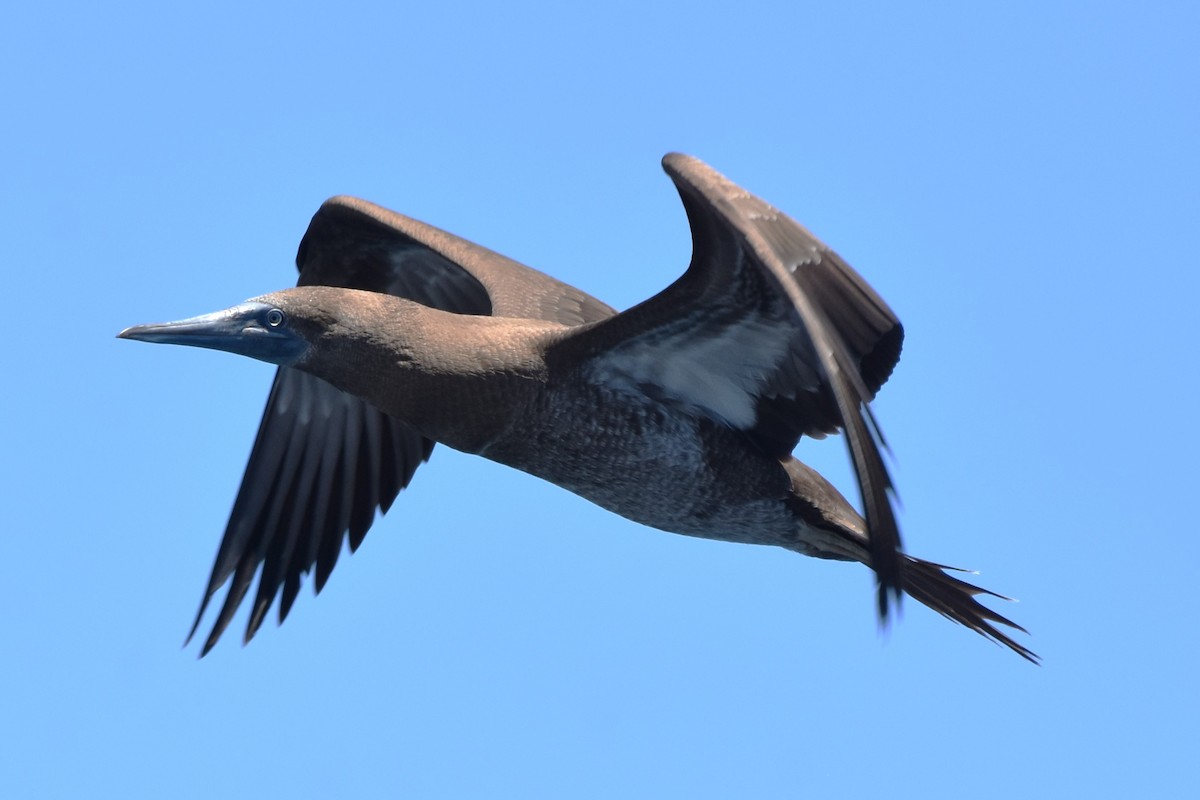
1019	181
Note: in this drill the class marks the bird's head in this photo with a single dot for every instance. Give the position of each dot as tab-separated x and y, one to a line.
278	328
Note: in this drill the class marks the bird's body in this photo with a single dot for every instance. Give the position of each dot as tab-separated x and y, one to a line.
680	413
482	385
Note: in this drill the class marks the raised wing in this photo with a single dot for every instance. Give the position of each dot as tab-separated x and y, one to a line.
359	245
768	331
324	461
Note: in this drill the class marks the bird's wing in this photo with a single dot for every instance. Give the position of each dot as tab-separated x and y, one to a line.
769	331
324	460
351	242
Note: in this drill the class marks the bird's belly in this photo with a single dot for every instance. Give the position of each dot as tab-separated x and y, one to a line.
660	467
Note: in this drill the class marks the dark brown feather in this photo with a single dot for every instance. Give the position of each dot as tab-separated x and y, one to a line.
955	599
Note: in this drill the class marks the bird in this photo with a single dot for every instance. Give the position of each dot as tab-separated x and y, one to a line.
680	413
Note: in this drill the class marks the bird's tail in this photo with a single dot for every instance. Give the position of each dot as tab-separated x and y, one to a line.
930	584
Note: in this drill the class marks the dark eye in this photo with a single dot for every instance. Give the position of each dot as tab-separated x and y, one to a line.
274	317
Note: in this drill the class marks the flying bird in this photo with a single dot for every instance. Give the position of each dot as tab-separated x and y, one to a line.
680	413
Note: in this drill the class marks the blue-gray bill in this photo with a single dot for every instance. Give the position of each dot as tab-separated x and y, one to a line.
248	329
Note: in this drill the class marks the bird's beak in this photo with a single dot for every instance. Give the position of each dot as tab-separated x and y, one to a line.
252	329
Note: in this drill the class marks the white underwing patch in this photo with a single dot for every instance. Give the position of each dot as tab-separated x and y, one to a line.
720	371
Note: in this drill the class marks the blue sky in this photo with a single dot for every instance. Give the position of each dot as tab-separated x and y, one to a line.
1019	182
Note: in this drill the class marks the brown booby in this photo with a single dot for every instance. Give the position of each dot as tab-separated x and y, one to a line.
680	413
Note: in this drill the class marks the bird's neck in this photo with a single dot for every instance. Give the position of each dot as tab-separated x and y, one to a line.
457	379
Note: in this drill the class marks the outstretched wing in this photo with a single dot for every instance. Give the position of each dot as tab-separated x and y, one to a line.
768	331
324	461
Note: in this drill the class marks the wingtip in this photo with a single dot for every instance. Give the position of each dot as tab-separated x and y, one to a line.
889	599
196	622
679	165
209	644
675	157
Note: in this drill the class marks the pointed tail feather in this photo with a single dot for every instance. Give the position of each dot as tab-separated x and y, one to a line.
953	598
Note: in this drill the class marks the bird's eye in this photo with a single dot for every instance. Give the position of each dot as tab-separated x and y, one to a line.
274	317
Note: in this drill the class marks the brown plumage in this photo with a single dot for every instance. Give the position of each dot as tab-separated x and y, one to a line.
680	413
